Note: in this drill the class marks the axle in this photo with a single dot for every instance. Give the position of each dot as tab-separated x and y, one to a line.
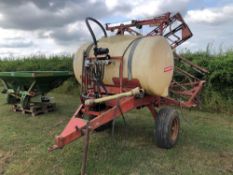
133	92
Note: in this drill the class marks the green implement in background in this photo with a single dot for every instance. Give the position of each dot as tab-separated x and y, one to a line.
20	87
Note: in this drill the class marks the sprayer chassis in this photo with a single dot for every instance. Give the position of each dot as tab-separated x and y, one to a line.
117	107
79	126
189	90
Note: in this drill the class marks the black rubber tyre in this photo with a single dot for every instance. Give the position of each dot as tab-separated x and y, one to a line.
167	128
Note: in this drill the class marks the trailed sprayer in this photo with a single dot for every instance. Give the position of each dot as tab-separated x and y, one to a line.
133	70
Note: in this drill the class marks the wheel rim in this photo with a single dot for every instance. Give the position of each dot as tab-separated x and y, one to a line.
174	129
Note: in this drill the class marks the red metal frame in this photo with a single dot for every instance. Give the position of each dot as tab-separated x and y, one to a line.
170	26
187	90
115	107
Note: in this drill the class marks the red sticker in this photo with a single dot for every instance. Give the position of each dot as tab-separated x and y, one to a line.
168	68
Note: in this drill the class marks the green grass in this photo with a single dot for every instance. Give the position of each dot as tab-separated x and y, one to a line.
205	145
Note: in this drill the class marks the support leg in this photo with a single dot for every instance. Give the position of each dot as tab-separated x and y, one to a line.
86	131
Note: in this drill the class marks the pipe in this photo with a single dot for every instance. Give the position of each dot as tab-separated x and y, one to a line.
133	92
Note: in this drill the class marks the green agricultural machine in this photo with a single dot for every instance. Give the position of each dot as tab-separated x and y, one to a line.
27	90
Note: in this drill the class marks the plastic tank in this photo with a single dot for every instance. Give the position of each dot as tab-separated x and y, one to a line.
147	59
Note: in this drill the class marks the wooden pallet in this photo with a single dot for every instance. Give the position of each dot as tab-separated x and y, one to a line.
35	108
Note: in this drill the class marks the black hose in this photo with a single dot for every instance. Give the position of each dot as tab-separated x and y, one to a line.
91	31
98	71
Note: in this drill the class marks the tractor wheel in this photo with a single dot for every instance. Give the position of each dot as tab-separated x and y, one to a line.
167	128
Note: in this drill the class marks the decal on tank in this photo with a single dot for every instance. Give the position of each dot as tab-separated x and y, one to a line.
168	68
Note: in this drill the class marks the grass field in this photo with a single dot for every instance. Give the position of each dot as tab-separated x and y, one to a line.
205	145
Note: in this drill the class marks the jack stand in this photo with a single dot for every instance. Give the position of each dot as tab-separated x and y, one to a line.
86	132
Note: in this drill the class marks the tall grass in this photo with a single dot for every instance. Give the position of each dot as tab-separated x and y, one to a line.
217	95
43	63
37	63
218	92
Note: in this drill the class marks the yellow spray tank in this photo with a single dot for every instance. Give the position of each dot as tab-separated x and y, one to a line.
147	59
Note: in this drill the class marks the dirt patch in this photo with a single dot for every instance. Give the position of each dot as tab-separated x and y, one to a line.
5	158
226	161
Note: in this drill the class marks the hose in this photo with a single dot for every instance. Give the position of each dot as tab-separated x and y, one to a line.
98	70
91	31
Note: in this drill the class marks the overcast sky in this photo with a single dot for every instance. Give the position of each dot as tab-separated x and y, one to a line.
57	26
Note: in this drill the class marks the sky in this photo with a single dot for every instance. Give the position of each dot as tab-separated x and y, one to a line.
30	27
